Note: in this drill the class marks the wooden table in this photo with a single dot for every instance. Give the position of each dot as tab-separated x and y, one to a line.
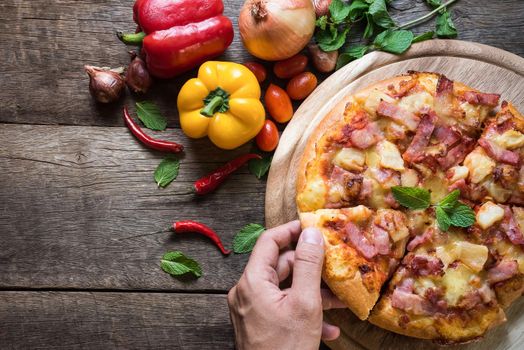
82	223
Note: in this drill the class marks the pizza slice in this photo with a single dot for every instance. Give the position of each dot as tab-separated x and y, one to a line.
363	247
442	290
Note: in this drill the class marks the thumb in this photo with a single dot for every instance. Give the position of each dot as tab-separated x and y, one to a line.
309	257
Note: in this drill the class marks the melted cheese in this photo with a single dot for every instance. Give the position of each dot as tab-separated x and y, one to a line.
416	102
350	159
488	214
312	197
457	283
511	252
390	155
495	190
437	186
409	178
510	139
479	165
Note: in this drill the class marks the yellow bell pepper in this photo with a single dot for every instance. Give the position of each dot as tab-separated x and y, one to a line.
223	102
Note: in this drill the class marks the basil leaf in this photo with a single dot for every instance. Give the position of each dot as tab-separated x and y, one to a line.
150	115
336	43
411	197
370	26
259	167
245	240
321	22
449	202
462	215
379	12
445	26
443	220
166	171
338	10
177	264
423	37
353	53
394	41
357	10
434	3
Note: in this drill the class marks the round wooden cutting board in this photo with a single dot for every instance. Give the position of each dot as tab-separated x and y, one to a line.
482	67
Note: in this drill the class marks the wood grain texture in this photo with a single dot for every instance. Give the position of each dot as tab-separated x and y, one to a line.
44	46
80	320
482	67
83	199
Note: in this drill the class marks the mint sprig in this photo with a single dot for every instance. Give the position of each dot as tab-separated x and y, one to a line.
150	115
449	211
177	264
260	167
246	238
166	171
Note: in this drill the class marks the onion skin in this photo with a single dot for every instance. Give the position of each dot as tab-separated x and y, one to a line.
275	30
104	85
322	7
138	78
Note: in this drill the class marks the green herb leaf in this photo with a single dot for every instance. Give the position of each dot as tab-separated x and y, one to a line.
150	115
434	3
245	240
443	220
445	26
394	41
353	53
177	264
259	167
321	22
336	43
379	12
449	202
462	215
411	197
370	26
166	171
357	10
338	10
423	37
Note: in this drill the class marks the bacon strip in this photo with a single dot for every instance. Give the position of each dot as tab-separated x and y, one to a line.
511	227
446	136
398	114
444	96
366	137
444	86
359	242
498	153
479	98
457	154
503	271
425	265
404	87
414	153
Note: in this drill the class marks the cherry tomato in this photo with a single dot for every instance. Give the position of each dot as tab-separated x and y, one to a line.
292	66
267	138
278	104
257	69
301	85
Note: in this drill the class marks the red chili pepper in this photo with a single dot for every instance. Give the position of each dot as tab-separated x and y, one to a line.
179	35
210	182
198	227
159	145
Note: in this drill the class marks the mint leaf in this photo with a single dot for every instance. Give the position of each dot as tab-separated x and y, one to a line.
462	215
423	37
245	240
357	10
353	53
443	220
321	22
338	10
445	26
394	41
411	197
259	167
370	26
379	12
166	171
177	264
449	202
336	43
150	115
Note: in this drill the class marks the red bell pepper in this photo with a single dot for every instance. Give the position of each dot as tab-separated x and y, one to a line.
178	35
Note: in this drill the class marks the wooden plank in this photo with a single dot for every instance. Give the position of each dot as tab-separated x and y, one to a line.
94	320
45	44
79	209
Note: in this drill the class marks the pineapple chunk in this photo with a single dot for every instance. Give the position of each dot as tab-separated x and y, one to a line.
488	214
390	156
456	281
409	178
350	159
510	139
458	172
416	102
312	197
495	190
472	255
373	99
479	165
358	213
518	213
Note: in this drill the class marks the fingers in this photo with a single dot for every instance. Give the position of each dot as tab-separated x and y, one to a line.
264	259
329	332
330	301
307	269
285	265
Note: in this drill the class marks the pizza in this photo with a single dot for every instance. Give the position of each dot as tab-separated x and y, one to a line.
417	186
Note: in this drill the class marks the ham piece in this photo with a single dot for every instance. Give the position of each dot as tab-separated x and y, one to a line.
398	114
415	151
511	227
427	236
478	98
503	271
381	240
366	137
498	153
359	241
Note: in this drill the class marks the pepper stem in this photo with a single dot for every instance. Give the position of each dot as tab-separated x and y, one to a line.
131	38
212	106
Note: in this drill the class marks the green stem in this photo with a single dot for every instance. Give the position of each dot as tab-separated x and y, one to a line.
131	38
212	106
425	17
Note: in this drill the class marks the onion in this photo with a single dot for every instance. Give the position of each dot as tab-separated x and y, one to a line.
322	7
274	30
105	85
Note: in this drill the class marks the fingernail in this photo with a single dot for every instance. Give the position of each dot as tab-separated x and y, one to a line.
312	235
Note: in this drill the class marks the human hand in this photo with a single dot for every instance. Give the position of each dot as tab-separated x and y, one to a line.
266	317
